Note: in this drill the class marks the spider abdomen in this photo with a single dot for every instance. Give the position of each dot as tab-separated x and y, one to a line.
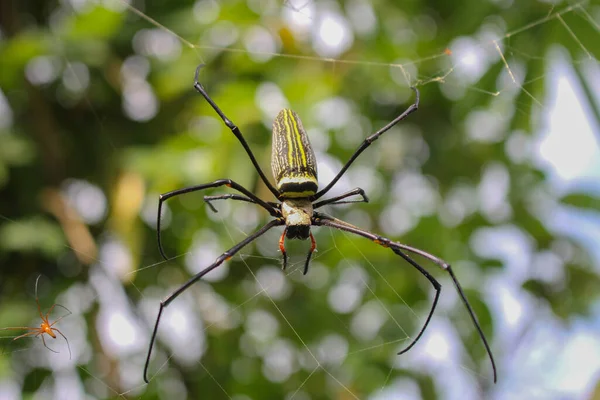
292	158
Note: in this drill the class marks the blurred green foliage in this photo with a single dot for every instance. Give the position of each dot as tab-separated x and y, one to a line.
70	74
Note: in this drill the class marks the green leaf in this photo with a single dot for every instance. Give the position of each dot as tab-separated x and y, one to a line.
582	200
32	235
99	23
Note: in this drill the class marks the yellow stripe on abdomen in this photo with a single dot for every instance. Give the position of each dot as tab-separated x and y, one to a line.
293	159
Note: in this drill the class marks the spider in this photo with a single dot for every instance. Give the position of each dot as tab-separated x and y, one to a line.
45	327
295	170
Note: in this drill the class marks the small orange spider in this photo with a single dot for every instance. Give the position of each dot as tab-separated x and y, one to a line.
45	327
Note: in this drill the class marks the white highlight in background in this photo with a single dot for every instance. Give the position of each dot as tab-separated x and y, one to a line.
568	149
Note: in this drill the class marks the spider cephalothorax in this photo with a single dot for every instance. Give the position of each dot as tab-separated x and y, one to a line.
298	216
295	170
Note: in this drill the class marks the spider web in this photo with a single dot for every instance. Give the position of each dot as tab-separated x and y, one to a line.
314	359
499	45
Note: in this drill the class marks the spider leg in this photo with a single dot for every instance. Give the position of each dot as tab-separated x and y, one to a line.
236	131
222	258
66	340
37	300
210	199
48	313
367	142
382	241
282	249
233	196
19	328
66	315
36	332
221	182
44	341
336	200
313	247
39	307
325	220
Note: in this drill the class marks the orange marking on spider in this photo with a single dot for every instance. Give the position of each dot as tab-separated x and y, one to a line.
45	327
313	243
282	249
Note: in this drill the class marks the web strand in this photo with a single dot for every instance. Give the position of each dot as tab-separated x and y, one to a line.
441	78
562	21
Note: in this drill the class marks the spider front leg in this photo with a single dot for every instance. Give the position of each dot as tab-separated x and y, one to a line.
49	310
324	220
66	315
235	130
367	142
221	182
313	248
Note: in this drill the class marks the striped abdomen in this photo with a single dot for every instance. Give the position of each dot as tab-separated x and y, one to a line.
292	158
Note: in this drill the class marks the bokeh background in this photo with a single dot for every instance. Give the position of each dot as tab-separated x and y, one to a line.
497	173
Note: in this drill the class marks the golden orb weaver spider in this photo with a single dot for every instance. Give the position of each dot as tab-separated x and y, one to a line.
295	170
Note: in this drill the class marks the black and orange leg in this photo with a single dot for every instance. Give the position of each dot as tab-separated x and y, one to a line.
221	182
324	220
313	248
282	249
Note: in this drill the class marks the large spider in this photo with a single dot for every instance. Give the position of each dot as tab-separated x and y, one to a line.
295	170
